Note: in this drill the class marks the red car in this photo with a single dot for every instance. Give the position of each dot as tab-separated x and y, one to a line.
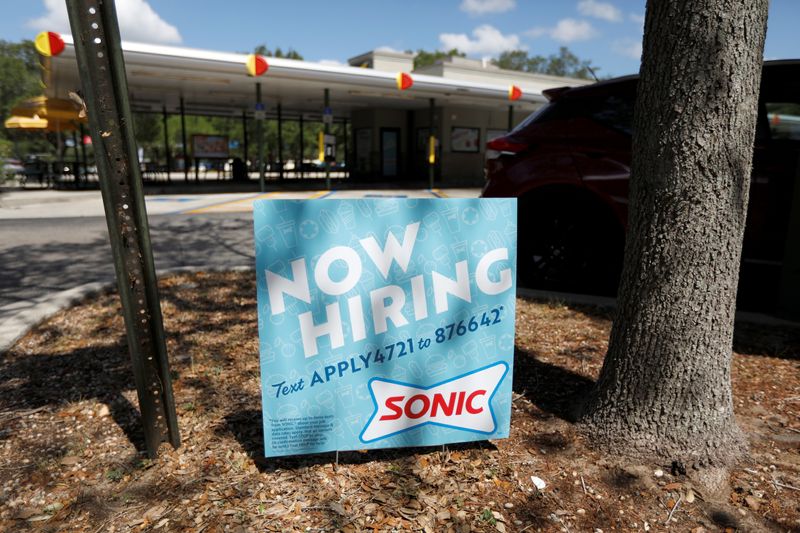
569	164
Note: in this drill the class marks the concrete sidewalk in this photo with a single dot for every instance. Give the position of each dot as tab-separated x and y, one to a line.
45	203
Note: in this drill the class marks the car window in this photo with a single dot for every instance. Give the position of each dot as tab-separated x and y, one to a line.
615	112
536	116
784	120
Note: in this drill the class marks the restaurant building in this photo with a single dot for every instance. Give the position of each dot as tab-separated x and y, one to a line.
381	111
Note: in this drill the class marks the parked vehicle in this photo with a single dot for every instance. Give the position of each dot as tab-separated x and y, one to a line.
38	168
10	168
569	164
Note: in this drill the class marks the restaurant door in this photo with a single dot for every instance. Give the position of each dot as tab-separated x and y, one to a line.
390	152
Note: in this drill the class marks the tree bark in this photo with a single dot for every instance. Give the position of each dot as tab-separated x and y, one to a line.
665	389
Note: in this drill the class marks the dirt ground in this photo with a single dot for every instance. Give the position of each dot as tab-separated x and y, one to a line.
69	434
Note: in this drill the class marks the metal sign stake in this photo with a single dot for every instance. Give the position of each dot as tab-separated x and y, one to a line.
327	128
102	71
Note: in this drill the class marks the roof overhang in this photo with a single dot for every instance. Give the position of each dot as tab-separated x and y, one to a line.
217	83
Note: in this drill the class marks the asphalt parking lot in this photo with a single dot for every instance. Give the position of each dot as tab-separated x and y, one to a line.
52	241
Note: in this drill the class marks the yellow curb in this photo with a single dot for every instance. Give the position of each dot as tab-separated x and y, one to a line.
216	207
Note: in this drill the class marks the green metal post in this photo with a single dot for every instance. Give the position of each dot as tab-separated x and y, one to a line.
77	170
280	143
183	140
432	164
346	152
166	142
83	154
302	146
244	135
260	141
327	129
102	73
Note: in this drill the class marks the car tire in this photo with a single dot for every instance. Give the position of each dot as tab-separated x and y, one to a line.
568	245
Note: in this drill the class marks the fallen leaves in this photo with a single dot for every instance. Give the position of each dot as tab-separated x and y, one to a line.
68	407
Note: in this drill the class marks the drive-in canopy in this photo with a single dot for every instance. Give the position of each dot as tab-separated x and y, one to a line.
218	83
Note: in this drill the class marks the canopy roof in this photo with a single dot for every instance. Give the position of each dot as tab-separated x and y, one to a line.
218	83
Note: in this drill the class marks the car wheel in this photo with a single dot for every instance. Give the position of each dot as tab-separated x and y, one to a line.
568	246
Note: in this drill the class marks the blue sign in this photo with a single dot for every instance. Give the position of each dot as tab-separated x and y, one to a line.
384	322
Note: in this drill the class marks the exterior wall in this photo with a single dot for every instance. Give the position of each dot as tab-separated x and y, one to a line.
453	166
459	68
467	167
385	61
374	120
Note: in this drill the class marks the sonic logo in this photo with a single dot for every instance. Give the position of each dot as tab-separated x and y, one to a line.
437	404
463	402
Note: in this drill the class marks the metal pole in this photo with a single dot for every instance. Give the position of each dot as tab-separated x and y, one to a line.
244	130
510	117
77	172
260	141
102	71
327	129
183	140
166	142
280	143
431	159
346	153
302	146
59	152
83	155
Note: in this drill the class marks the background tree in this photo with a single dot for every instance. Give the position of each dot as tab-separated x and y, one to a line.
149	133
424	58
564	63
665	388
20	78
290	53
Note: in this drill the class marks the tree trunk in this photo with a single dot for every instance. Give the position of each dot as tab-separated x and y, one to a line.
665	389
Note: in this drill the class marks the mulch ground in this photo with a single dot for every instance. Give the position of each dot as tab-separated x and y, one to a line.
69	434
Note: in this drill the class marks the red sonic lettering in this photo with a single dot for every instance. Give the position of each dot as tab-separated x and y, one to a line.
463	402
437	405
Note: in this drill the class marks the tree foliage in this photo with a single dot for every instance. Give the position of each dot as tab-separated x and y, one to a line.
151	136
19	74
564	63
20	78
290	53
423	58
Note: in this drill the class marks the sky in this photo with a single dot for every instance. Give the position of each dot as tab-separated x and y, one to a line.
608	33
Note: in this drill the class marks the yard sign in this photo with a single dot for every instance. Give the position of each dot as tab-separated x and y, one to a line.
384	322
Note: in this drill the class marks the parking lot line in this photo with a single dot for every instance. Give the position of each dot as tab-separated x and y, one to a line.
246	204
214	206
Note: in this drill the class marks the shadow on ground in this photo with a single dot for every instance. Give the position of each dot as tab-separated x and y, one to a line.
551	388
47	381
41	256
